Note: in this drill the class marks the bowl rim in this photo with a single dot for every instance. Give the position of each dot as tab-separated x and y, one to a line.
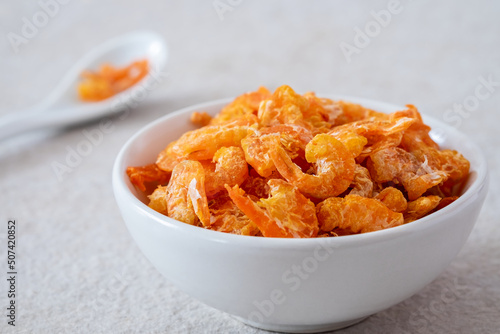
195	232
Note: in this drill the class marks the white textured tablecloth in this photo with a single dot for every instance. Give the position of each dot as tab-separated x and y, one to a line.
79	270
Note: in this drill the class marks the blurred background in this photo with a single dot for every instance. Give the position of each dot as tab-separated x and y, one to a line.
77	263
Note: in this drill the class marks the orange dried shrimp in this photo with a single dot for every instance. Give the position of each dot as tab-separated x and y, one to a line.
109	80
298	166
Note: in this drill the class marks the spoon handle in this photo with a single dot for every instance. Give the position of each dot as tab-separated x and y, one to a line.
15	123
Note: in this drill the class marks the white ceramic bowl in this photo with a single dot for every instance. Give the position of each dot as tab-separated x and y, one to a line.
297	285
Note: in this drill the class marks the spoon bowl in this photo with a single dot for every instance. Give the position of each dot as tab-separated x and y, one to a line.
62	107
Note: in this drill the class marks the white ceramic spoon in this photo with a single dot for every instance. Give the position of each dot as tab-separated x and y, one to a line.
62	107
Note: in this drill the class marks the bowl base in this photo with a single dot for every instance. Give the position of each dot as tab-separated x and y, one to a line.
301	328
